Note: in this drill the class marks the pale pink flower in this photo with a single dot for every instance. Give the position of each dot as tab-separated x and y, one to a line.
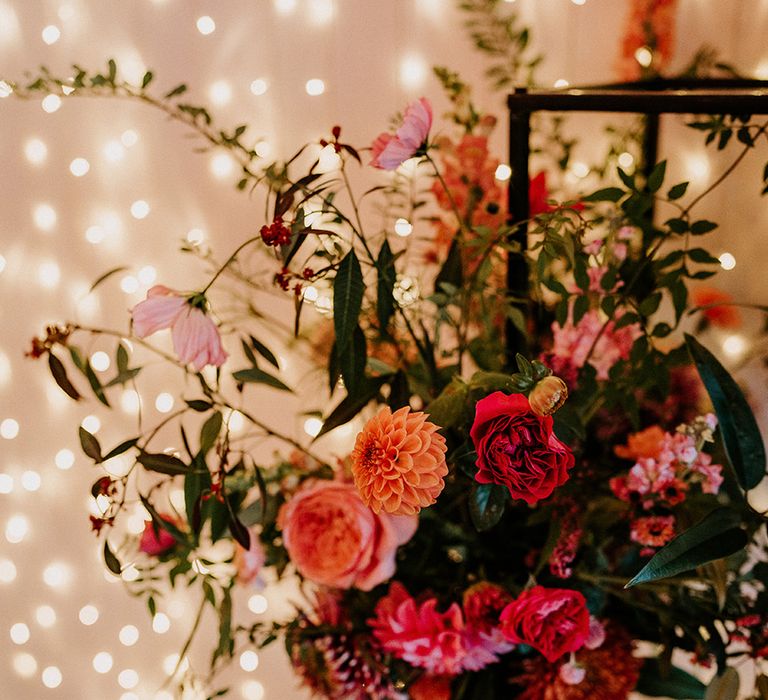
249	562
196	338
620	251
571	673
596	634
391	150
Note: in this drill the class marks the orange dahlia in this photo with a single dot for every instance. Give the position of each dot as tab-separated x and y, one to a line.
399	462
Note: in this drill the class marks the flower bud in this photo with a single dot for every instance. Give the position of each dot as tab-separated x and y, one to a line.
548	395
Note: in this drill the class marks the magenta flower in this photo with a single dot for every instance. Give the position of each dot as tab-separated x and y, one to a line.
391	150
195	336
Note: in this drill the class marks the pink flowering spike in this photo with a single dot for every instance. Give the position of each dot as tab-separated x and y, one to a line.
159	310
391	151
196	339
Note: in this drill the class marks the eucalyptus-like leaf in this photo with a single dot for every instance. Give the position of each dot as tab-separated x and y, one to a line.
90	445
254	375
347	299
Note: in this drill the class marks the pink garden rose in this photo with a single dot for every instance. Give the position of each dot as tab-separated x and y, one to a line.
518	449
156	543
391	150
195	336
334	539
553	621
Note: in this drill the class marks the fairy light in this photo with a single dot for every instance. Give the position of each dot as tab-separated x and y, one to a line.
311	293
249	660
19	633
734	346
328	159
51	34
147	275
51	103
561	83
129	284
580	169
56	575
9	428
236	422
2	267
44	216
697	166
45	616
129	635
128	679
100	361
66	12
48	274
88	615
24	664
16	529
252	690
113	151
91	423
321	12
6	483
164	402
285	7
35	151
403	228
312	426
259	86
222	166
5	89
315	87
79	167
129	138
130	401
140	209
727	261
503	172
413	71
579	2
160	623
206	25
263	149
130	573
30	480
644	56
257	604
220	93
51	677
102	662
7	571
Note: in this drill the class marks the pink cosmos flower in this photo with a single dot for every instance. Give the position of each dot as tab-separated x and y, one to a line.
391	150
195	336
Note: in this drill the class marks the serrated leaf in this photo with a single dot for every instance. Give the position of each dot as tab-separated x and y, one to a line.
724	687
741	434
715	536
162	463
347	299
254	375
112	562
486	505
677	191
59	373
385	283
210	432
90	445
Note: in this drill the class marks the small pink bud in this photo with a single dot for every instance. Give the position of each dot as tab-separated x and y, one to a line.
571	673
596	634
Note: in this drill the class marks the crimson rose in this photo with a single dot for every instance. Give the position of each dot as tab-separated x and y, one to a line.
517	449
552	620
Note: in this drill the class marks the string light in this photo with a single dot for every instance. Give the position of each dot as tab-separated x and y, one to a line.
130	573
130	401
257	604
64	459
79	167
48	274
35	151
413	71
321	11
222	166
51	34
30	480
140	209
249	661
24	664
9	428
315	87
102	662
7	571
51	103
113	151
6	483
561	83
44	216
312	426
259	86
195	236
644	56
252	690
164	402
734	346
727	261
19	633
263	149
206	25
5	89
580	169
128	679
626	160
220	93
129	284
51	677
129	138
88	615
147	275
100	361
45	616
403	228
16	529
503	172
160	623
129	635
91	423
56	575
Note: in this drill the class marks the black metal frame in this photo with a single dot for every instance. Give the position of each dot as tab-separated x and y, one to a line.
651	97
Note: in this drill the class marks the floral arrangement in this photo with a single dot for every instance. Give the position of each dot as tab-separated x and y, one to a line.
543	497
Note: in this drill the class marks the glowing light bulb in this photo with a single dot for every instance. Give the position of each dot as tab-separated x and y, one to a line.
130	401
257	604
51	34
48	274
64	459
6	483
7	571
56	575
252	690
100	361
91	423
113	151
561	83
626	160
259	86
263	149
222	166
44	216
236	422
5	89
88	615
644	56
129	635
160	623
79	167
249	661
321	11
45	616
220	93
102	662
195	236
95	234
315	87
734	346
24	664
580	169
147	275
503	172
128	678
579	2
129	138
413	71
9	429
140	209
30	480
312	426
285	7
164	402
129	284
403	228
727	261
35	151
697	166
130	573
206	25
51	103
19	633
51	677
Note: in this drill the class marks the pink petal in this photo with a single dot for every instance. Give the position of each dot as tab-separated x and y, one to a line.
158	311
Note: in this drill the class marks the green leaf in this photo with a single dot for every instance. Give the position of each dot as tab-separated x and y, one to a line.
352	362
238	530
95	383
112	68
162	463
447	409
226	643
122	447
650	304
123	377
199	405
607	194
715	536
677	225
347	299
254	375
162	523
386	275
656	178
59	373
121	358
677	191
210	432
178	90
486	505
724	687
147	79
112	562
452	271
627	179
703	226
350	406
676	684
90	445
741	435
106	276
264	351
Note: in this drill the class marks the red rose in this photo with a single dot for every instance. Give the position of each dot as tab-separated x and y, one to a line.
553	621
517	449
